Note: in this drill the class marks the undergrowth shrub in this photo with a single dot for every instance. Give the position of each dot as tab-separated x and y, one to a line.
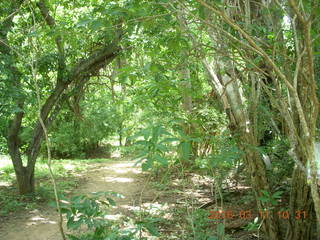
91	210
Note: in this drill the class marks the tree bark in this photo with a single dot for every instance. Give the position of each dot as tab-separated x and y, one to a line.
247	142
25	180
300	200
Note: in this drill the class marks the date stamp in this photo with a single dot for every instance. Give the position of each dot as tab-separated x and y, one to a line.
249	214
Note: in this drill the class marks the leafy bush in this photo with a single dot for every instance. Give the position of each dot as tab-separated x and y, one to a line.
282	163
201	227
90	210
154	142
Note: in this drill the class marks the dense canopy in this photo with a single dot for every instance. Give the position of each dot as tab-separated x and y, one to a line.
226	90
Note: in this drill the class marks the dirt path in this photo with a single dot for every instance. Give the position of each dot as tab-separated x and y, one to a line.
41	224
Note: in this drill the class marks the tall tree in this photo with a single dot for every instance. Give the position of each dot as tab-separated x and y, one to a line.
251	51
300	110
66	74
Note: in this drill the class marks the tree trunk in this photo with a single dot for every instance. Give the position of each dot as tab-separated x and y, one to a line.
243	129
247	141
228	87
25	180
259	182
120	133
300	200
24	175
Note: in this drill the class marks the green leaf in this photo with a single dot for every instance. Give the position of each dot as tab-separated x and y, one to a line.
186	148
111	201
220	229
152	229
161	147
213	238
142	142
83	22
277	194
17	110
72	237
96	25
169	140
265	193
147	165
161	160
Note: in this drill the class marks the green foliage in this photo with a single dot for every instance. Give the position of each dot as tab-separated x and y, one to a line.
270	198
201	227
200	224
10	202
222	159
82	136
143	87
66	173
147	224
3	145
90	210
253	226
154	142
282	164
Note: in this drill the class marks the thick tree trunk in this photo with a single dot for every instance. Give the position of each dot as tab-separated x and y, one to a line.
243	130
24	175
25	180
305	105
300	204
247	141
34	146
259	181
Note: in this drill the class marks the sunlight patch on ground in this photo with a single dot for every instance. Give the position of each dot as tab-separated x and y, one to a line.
194	193
133	208
204	200
118	179
196	178
123	165
156	208
152	208
241	187
68	166
127	170
177	182
122	170
113	217
38	220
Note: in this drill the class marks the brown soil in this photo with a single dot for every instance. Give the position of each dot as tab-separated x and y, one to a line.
42	223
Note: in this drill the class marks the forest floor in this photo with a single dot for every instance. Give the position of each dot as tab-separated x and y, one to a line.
175	203
42	223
